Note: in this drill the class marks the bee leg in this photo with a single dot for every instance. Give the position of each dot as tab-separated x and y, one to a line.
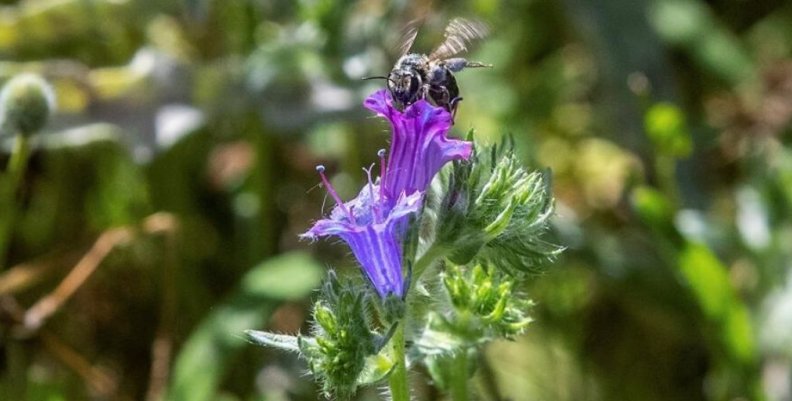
423	93
441	97
452	107
458	64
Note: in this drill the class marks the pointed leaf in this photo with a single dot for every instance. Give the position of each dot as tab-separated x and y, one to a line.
267	339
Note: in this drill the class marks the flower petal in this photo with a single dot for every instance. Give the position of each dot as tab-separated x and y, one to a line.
374	234
419	146
380	102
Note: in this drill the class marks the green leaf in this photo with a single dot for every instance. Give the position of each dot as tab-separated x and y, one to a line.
693	26
709	281
707	278
202	361
377	367
288	277
267	339
654	208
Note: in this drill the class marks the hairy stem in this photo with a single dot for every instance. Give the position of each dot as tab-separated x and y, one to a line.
430	256
399	388
459	377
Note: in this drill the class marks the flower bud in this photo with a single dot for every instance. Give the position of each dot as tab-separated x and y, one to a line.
26	102
342	339
483	307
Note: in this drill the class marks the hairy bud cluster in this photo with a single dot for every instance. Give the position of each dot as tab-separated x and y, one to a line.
482	306
341	339
495	210
341	342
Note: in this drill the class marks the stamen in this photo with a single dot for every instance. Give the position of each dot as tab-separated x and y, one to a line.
320	169
381	154
375	202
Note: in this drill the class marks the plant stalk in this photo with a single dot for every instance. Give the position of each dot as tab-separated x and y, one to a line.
430	256
15	172
459	377
399	388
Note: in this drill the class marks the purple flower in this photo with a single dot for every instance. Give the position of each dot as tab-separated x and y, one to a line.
373	230
373	224
419	147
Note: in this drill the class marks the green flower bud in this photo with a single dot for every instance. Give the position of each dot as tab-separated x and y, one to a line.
324	317
495	210
665	124
483	307
342	339
26	102
343	351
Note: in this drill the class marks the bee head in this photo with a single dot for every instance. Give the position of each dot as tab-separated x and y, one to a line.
404	86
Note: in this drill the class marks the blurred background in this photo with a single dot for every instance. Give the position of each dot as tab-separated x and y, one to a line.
158	218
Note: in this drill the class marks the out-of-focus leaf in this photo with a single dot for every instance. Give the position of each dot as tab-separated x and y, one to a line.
652	206
655	210
692	26
738	332
709	282
287	278
202	361
68	28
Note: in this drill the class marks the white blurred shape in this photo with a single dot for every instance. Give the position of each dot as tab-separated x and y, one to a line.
752	219
327	97
174	121
144	61
355	66
691	224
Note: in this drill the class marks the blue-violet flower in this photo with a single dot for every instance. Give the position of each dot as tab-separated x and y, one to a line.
373	229
373	224
419	146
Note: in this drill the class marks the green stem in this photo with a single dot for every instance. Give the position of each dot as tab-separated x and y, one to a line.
15	172
666	176
19	157
430	256
399	388
459	377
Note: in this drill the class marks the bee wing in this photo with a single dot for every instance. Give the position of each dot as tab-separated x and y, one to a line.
458	35
408	38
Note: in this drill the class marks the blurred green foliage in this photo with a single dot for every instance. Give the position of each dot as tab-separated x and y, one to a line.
666	124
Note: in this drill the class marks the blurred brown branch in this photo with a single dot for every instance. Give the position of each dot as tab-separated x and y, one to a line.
36	315
30	321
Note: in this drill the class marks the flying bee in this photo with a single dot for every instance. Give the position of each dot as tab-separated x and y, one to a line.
418	76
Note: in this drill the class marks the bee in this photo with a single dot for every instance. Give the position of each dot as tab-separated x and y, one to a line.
418	76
